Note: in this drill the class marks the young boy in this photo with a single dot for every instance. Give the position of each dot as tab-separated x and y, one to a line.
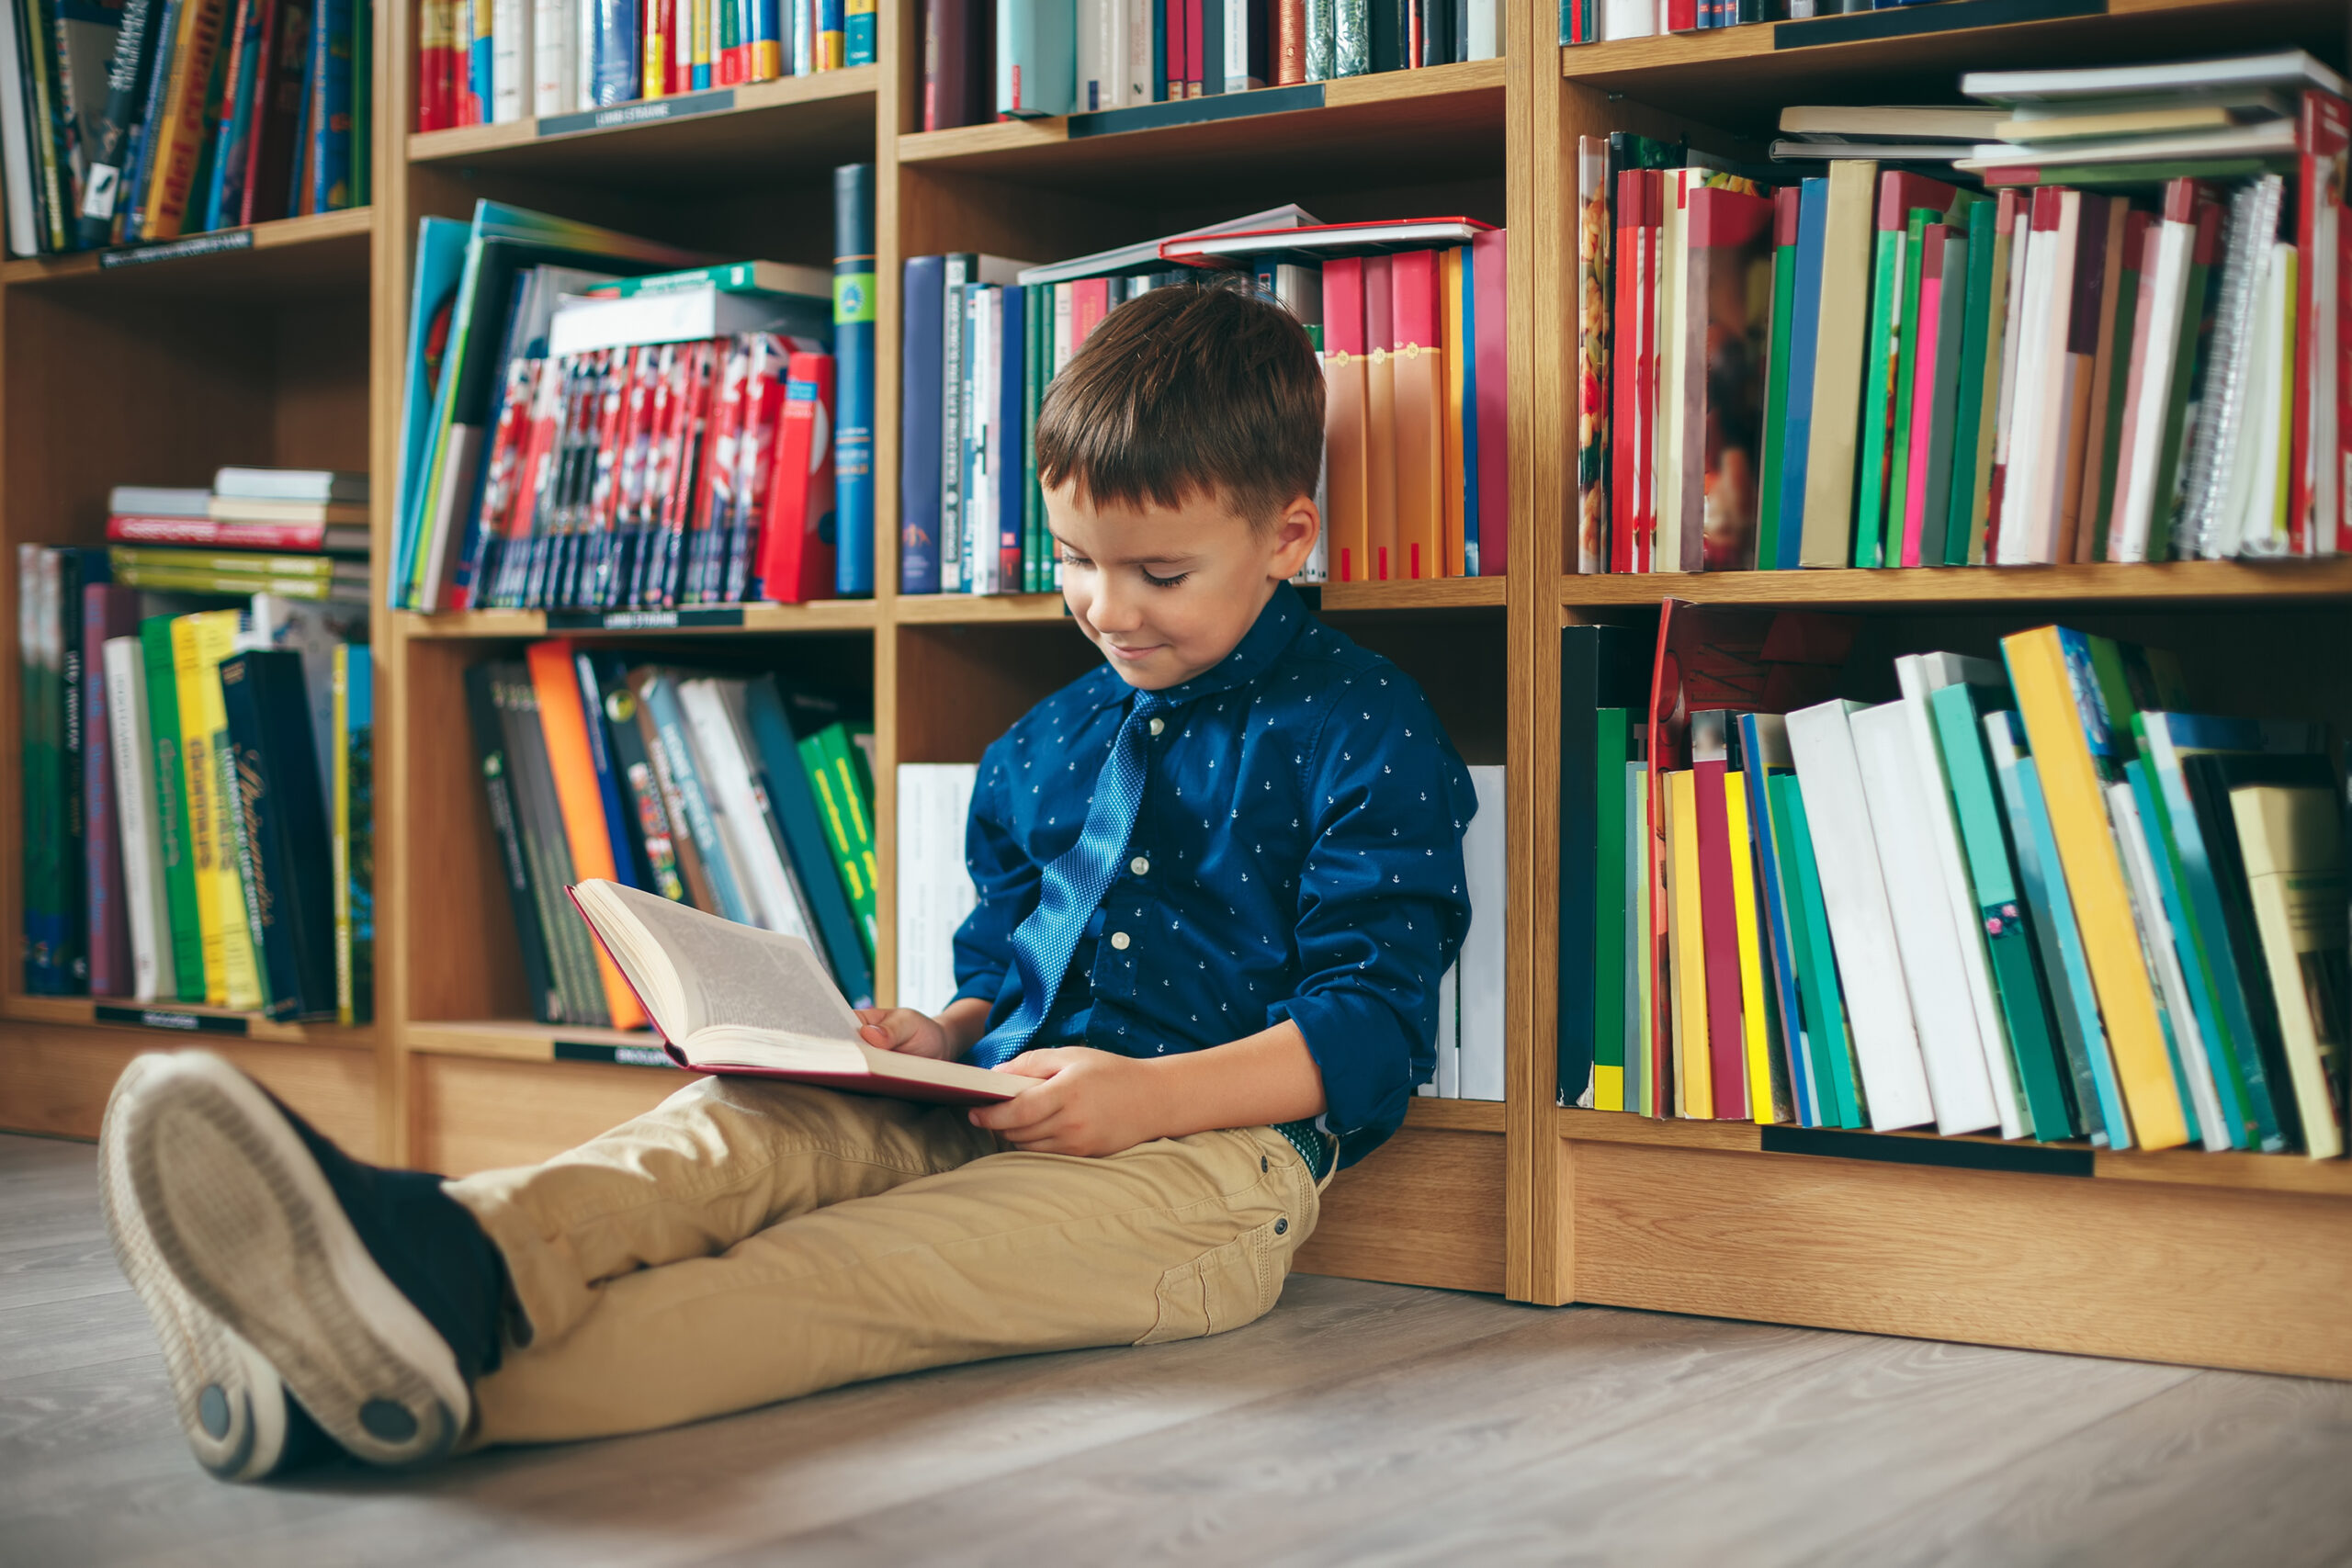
1219	878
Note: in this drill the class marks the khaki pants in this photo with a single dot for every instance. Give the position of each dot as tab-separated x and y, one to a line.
748	1241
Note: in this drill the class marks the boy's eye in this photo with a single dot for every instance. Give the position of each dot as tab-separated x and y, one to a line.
1072	557
1165	581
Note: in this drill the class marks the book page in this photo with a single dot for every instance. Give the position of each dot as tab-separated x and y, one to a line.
729	974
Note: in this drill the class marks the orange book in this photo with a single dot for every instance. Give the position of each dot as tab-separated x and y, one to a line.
1380	421
1345	544
1417	360
555	681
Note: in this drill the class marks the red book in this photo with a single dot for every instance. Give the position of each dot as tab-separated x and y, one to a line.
1172	47
797	552
285	57
1379	419
1090	302
1489	281
1719	920
205	532
1290	42
2315	479
1193	77
2341	523
1417	355
1625	343
765	384
1682	16
1344	393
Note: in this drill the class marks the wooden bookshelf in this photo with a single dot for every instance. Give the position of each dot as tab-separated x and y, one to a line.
289	348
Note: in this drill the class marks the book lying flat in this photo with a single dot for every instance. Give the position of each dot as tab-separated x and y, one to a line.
734	1000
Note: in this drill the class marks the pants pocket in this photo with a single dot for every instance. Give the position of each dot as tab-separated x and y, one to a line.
1225	1287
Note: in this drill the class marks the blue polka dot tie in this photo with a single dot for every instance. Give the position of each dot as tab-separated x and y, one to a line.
1072	886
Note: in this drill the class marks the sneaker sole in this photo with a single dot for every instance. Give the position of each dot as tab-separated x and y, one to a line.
239	1213
231	1404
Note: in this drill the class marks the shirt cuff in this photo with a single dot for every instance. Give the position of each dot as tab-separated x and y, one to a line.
1362	1050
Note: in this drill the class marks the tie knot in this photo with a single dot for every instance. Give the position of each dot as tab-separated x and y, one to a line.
1150	702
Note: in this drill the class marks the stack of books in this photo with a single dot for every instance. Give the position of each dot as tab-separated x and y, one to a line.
147	121
733	794
2031	896
298	532
492	61
196	795
1409	321
623	426
1024	58
1605	21
2121	350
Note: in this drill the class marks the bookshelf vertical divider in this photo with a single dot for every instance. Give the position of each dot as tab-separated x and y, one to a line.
2226	1261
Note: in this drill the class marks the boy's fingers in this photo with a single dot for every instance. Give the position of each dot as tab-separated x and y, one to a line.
1024	1111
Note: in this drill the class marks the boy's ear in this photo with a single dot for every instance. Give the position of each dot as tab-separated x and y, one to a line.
1294	532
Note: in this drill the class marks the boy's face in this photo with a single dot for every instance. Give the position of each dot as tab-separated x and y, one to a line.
1166	593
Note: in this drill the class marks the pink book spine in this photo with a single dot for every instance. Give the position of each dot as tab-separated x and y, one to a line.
1923	399
1487	254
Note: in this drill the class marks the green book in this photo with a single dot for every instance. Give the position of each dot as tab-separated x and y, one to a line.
1974	339
2016	972
1776	376
1609	912
1906	361
177	851
1878	379
833	774
2212	1038
1834	1088
2187	377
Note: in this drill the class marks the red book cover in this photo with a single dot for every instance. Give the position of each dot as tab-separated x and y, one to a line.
1172	47
2315	473
1626	343
1379	419
1719	921
714	485
1290	42
1343	418
1682	16
2341	523
765	385
286	53
1192	65
204	533
2084	314
1090	302
612	418
1645	368
796	556
1490	271
1899	191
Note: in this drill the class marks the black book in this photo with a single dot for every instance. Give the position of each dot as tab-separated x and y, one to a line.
1436	30
76	570
489	755
603	676
649	829
288	859
105	143
571	959
1601	667
1390	22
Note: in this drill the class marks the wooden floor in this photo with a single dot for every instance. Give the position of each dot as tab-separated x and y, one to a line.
1357	1424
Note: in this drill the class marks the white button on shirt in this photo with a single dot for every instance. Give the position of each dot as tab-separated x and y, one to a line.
1119	941
1140	865
1158	725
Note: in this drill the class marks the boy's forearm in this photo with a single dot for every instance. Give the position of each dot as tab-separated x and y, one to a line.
964	1021
1268	1077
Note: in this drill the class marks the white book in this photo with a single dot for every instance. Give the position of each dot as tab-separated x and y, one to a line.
2137	481
1146	253
678	315
1093	55
1919	674
512	61
1236	47
1135	85
1941	1012
583	55
157	501
1486	31
726	776
1862	924
980	373
2284	68
1485	862
16	147
935	891
555	41
800	916
2022	417
1665	453
2251	520
2157	944
153	974
1447	1082
1627	18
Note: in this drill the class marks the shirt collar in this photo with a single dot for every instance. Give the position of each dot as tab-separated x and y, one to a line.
1255	654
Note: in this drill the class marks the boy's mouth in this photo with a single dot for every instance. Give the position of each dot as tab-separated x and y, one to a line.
1133	653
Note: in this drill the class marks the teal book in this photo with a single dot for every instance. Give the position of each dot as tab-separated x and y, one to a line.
2229	1087
2051	908
1764	753
1609	909
1906	362
1785	214
1878	389
1835	1086
1976	326
2008	942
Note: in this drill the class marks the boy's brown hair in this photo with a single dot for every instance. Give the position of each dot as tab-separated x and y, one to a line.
1185	390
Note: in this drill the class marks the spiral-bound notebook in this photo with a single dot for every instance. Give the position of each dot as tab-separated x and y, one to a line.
735	1000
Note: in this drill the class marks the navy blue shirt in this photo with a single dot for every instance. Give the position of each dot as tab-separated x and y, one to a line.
1297	854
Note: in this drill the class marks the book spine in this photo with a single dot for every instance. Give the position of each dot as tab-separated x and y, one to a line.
104	146
659	695
837	811
107	611
148	912
571	953
498	786
920	412
283	849
37	585
176	838
175	141
854	318
271	164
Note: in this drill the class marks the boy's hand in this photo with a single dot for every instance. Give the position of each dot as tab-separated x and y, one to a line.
906	1030
1091	1104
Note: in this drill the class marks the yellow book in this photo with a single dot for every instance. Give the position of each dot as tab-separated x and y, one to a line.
1764	1097
1638	1092
2047	702
1694	1085
215	634
176	138
201	782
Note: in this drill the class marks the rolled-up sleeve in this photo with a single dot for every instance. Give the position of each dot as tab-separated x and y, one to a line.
1381	901
1005	880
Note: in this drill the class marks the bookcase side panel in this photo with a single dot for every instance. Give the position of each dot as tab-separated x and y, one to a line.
54	1078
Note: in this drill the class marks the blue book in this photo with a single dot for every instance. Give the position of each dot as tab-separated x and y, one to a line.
1467	351
600	675
440	258
853	384
1158	52
355	940
784	781
1764	750
921	402
1037	57
329	92
1804	332
2236	1124
620	59
1012	471
224	203
2043	879
132	200
658	691
284	856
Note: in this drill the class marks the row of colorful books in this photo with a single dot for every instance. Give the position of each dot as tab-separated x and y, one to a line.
1412	339
2030	895
198	816
301	533
986	60
737	795
1605	21
594	420
1877	367
492	62
156	118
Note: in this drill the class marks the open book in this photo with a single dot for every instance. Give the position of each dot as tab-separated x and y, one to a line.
736	1000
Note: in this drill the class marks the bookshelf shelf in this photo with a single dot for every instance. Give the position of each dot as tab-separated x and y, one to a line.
186	1022
976	609
326	254
702	139
1744	75
1427	594
2186	584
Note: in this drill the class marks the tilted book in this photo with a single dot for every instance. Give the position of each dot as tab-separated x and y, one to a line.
733	999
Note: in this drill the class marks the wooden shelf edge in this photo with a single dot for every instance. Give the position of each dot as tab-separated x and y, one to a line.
2181	1167
202	1024
275	234
1423	594
822	615
1455	1115
2186	584
976	609
463	143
